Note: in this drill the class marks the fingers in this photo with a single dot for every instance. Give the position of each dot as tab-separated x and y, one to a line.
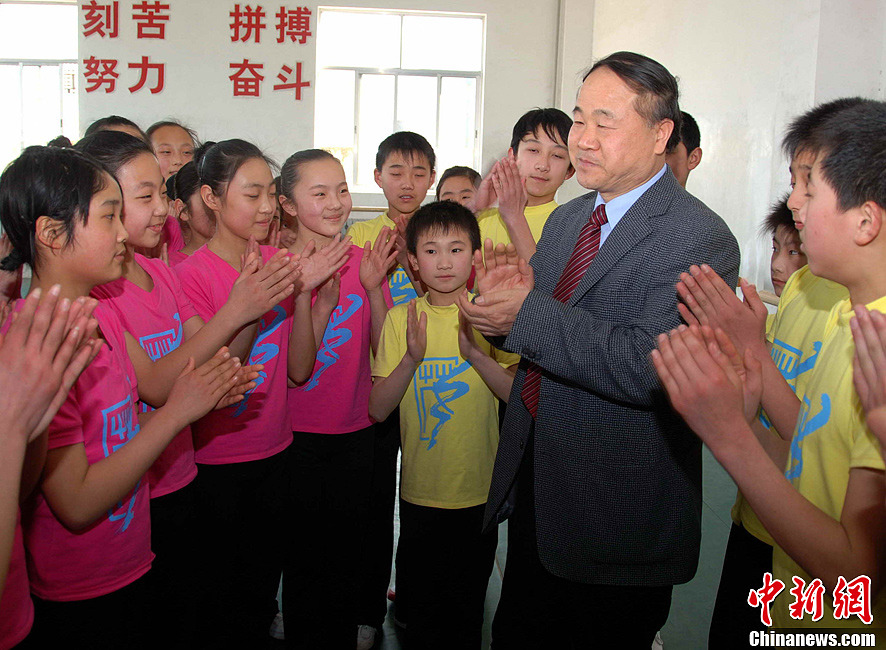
718	284
868	351
687	315
489	254
752	299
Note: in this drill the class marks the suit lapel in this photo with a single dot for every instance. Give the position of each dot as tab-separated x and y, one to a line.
631	229
571	228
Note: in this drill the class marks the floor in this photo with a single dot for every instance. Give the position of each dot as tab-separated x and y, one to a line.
692	604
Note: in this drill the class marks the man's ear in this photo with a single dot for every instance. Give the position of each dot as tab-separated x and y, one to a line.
869	222
212	201
49	233
662	134
694	159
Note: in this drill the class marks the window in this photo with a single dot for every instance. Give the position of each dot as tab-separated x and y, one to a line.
423	72
38	74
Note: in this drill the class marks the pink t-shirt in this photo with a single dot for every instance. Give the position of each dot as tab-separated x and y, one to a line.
257	427
172	234
176	258
336	397
16	606
100	413
155	319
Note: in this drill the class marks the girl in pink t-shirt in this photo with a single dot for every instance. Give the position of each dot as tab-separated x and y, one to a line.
159	319
331	455
198	222
87	533
241	451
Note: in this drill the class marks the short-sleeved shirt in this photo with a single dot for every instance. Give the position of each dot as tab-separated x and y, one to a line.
361	232
100	413
493	227
831	439
448	415
258	426
155	319
795	335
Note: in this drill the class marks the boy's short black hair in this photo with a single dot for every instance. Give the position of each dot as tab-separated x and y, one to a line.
801	131
554	122
690	136
852	147
779	215
459	171
408	144
444	216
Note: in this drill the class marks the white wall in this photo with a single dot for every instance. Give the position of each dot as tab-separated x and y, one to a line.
521	42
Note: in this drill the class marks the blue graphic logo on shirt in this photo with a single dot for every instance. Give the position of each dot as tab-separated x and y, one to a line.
433	384
807	425
789	361
401	286
263	351
334	336
160	344
118	428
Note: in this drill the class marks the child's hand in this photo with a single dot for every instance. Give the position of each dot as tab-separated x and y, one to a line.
377	260
328	294
164	253
869	367
245	382
708	300
252	249
500	268
702	385
511	190
259	289
198	390
318	266
748	369
485	195
467	344
416	334
400	241
41	356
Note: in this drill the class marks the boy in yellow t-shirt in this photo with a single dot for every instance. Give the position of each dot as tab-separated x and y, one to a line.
825	512
445	377
526	181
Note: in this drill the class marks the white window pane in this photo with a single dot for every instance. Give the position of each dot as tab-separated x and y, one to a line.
334	116
41	88
11	133
458	114
442	43
358	39
70	105
417	106
38	31
375	123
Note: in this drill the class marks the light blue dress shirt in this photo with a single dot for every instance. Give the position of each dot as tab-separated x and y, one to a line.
618	206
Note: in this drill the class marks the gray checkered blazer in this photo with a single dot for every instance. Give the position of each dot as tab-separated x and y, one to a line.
617	472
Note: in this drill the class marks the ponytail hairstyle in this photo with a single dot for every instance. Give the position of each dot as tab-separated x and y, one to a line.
113	149
220	162
289	174
46	181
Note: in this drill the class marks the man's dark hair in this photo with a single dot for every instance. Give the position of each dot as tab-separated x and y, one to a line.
406	143
801	130
779	215
552	121
444	216
459	171
656	88
690	136
105	123
852	149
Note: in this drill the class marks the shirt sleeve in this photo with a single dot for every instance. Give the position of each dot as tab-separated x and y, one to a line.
66	427
391	346
197	291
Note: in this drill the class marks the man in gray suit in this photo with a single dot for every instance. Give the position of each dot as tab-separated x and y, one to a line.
601	480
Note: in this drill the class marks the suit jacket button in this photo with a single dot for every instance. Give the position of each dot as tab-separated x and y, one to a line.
522	444
529	353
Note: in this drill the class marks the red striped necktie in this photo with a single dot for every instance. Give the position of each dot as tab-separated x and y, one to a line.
582	255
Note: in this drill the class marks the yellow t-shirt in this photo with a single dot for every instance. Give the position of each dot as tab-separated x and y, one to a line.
830	439
795	336
448	415
492	226
361	232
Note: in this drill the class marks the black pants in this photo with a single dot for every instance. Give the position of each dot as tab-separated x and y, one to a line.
328	495
378	541
121	619
745	562
241	505
444	560
175	527
540	610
